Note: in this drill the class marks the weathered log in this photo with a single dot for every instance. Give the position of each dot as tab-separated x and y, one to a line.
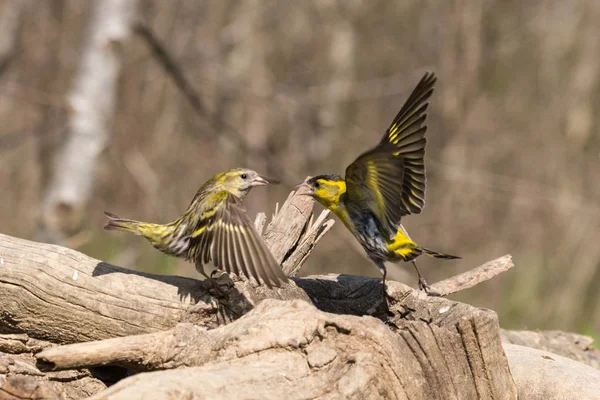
58	294
21	379
289	349
570	345
61	295
439	348
451	345
541	375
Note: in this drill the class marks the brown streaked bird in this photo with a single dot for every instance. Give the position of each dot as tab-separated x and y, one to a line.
215	227
384	184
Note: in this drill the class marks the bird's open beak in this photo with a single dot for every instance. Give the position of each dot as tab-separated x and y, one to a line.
263	180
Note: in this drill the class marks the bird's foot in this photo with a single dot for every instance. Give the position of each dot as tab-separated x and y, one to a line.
426	288
219	286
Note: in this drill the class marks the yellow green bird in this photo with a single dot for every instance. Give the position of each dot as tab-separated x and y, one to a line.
384	184
215	227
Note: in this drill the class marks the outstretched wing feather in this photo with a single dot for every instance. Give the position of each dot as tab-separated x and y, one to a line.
231	242
390	179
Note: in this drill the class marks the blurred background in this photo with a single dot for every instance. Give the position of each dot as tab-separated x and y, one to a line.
93	117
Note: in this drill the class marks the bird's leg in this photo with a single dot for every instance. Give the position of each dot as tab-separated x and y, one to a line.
383	270
423	283
211	283
383	287
200	268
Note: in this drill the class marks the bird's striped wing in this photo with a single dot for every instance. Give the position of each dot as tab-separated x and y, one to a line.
230	241
390	179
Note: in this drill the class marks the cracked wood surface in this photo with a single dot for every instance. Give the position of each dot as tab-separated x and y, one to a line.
288	224
21	379
443	344
289	349
441	349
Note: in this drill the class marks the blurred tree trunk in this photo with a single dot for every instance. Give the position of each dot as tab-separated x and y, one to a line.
92	102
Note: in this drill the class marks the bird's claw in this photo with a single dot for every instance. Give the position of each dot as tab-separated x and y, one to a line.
426	288
220	285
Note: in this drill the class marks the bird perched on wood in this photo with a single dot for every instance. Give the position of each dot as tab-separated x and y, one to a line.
384	184
215	227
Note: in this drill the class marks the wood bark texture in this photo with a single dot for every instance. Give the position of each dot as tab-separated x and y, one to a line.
570	345
21	379
289	349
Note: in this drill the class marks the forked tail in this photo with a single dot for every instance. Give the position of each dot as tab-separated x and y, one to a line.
435	254
115	223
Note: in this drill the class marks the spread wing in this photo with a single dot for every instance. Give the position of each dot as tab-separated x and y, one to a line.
228	239
390	179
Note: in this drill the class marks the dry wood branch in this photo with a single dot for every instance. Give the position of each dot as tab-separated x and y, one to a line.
292	235
474	276
23	387
352	356
288	224
339	294
64	296
315	232
259	222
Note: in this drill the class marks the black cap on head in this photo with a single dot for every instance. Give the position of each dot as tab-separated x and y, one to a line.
327	177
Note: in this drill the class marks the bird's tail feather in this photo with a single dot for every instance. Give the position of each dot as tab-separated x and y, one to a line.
435	254
115	223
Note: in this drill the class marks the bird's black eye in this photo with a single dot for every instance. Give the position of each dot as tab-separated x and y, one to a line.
244	176
317	185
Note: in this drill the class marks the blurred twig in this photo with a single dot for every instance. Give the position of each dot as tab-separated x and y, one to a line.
171	67
175	72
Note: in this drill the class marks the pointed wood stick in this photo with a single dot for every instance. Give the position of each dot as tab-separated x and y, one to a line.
473	277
